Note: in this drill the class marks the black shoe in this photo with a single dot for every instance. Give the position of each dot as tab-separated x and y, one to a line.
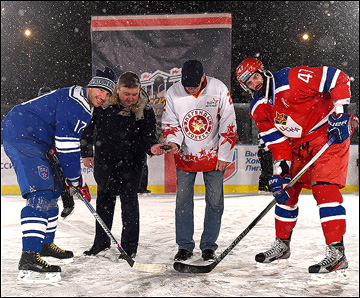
183	255
52	250
144	191
208	255
68	203
95	249
67	211
31	260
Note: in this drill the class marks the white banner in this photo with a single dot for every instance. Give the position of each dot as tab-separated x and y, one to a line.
241	176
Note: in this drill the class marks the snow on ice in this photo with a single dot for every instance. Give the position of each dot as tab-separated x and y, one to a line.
237	275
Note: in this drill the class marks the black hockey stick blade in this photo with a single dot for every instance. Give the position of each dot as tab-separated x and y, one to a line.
188	268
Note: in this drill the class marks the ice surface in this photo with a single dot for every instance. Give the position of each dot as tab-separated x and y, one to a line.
237	275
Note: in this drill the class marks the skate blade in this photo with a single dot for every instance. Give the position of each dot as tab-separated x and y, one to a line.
277	264
338	276
33	277
274	268
52	260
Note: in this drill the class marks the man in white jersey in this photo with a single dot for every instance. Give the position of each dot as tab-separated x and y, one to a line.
199	124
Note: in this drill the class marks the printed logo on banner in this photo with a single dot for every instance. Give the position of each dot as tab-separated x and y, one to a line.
232	168
155	84
43	172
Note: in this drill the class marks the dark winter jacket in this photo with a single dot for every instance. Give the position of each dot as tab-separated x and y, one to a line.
121	137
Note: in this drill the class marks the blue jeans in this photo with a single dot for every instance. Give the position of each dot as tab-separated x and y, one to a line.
184	212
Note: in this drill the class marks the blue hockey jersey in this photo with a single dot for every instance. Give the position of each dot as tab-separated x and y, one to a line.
58	119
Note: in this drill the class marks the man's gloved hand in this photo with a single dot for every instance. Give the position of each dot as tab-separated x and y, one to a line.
277	184
341	126
80	185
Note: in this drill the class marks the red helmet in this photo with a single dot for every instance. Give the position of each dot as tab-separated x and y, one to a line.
246	69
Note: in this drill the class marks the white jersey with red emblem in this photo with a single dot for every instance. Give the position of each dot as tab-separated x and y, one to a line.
203	125
297	111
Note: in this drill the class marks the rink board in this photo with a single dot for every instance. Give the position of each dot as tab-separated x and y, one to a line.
241	176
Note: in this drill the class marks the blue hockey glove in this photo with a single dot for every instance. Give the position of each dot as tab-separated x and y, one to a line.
341	126
277	184
80	185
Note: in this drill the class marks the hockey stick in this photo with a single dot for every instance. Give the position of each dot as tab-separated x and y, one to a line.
137	266
156	268
188	268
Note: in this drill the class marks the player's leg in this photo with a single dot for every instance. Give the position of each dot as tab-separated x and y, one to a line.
105	207
329	176
130	223
285	221
214	199
49	248
333	223
35	182
184	214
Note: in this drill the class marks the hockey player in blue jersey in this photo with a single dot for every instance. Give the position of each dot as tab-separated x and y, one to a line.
29	130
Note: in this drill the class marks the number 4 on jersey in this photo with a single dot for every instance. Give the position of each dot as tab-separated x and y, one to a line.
305	76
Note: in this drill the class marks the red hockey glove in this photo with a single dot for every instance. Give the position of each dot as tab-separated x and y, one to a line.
80	185
341	126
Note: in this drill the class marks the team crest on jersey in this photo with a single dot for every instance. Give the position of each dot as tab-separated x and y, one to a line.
43	172
287	126
197	124
281	118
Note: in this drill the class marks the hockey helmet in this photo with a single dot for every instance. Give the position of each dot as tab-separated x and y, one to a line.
246	69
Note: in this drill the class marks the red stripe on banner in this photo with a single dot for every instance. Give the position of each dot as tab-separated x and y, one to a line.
161	22
169	173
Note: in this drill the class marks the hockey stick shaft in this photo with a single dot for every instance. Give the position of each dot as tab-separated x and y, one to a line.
138	266
104	227
188	268
131	262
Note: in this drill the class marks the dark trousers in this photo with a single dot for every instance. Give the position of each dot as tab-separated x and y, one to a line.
105	206
144	179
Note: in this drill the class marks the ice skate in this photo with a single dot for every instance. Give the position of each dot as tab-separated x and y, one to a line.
280	251
52	250
334	260
334	265
33	269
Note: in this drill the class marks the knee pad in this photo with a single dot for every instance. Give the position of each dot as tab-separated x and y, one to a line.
40	200
327	193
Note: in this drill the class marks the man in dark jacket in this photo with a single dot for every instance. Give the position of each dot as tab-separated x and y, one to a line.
122	133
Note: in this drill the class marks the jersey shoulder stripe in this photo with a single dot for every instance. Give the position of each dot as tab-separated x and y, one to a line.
328	79
77	94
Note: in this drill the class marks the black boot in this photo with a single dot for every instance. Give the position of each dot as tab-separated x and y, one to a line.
68	203
96	248
183	255
208	255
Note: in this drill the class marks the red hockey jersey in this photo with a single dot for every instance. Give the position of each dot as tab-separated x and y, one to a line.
299	105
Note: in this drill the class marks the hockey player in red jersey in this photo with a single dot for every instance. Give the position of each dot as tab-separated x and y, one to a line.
296	110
